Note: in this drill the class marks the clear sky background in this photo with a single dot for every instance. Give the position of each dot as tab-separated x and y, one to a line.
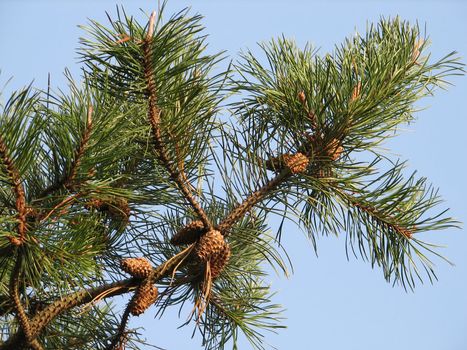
331	303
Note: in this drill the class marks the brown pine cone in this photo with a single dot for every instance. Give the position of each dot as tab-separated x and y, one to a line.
137	267
144	297
210	243
189	234
219	260
212	249
297	163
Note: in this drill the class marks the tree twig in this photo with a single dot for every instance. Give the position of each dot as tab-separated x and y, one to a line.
20	313
20	203
42	318
154	116
377	215
119	337
68	183
20	206
68	179
254	198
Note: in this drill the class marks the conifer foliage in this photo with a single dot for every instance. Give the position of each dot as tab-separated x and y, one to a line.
146	179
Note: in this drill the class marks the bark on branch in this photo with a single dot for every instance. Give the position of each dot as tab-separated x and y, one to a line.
254	198
82	297
17	187
154	116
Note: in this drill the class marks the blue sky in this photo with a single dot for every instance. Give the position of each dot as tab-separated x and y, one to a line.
331	303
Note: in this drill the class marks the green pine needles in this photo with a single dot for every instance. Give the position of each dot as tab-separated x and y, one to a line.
139	160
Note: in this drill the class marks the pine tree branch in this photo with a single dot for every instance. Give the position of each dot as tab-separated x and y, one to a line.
356	112
20	313
378	216
65	202
119	338
20	203
385	220
45	316
68	183
154	115
67	302
254	198
68	179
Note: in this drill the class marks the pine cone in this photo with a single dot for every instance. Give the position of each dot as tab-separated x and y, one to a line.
144	297
189	234
219	260
211	243
297	163
137	267
213	250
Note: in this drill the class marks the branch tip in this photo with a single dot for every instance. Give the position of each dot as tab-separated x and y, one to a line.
89	117
151	26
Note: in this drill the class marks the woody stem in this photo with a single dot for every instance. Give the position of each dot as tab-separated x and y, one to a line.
254	198
67	302
154	116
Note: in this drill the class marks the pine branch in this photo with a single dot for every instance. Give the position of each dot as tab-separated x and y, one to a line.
66	202
45	316
254	198
20	203
154	116
285	163
68	179
301	114
20	313
119	337
377	215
